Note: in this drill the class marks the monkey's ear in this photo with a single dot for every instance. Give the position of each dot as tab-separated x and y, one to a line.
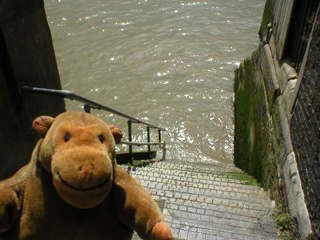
42	124
116	132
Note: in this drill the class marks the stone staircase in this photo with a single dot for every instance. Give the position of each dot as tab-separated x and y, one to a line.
201	201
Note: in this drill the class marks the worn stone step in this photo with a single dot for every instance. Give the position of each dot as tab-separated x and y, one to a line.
184	181
208	201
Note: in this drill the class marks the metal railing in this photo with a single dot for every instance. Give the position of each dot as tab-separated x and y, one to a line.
89	104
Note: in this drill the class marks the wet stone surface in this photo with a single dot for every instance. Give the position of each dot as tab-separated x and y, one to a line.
208	201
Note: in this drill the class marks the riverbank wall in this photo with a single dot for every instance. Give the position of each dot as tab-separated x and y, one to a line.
26	57
277	114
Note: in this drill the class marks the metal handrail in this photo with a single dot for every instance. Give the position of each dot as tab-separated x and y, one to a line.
140	144
72	96
94	105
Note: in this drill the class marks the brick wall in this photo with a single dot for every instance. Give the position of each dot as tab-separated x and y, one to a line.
305	130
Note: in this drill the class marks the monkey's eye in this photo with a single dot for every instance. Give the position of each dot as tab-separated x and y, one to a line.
67	137
101	138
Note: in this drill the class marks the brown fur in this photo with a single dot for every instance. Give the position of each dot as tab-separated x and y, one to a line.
73	189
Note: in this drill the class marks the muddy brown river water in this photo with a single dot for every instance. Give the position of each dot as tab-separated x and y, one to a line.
166	62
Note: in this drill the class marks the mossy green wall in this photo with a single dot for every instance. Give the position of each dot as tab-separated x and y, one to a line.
255	145
266	19
264	90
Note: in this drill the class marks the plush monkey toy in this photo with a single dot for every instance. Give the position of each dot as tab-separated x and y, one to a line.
73	189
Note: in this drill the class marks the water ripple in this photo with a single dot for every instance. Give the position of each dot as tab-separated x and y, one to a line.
167	62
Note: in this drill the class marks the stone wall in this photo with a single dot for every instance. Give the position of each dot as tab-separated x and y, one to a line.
255	143
26	56
263	147
264	89
278	145
305	130
261	123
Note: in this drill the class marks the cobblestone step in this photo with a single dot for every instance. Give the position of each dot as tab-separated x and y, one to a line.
208	201
181	181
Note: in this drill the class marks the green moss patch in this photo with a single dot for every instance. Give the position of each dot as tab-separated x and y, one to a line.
248	99
254	134
287	225
244	178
